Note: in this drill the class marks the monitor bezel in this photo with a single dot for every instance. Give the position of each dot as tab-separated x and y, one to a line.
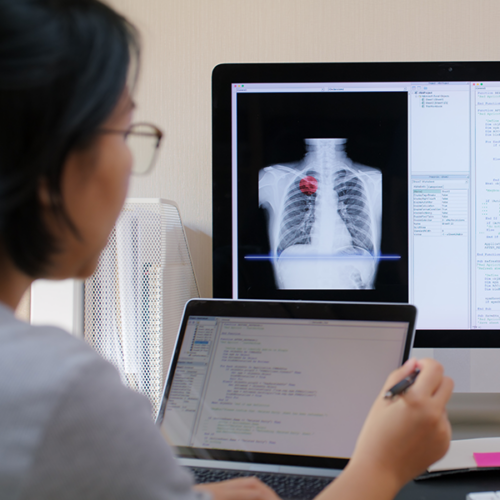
226	74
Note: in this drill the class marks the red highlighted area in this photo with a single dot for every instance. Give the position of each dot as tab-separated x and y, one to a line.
308	185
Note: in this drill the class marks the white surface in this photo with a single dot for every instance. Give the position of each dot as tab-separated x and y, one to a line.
460	455
484	495
58	303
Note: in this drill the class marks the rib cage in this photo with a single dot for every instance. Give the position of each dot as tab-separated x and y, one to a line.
353	209
329	239
298	215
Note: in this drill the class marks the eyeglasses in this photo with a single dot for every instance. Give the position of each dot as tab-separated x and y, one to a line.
143	140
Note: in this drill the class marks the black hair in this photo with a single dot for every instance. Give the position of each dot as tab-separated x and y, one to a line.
63	66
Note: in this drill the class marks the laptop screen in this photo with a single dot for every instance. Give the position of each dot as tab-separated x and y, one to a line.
278	385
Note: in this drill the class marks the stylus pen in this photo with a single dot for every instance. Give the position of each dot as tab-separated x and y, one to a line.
400	387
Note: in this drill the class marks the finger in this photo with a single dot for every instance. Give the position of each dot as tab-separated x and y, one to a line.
251	488
241	482
248	483
447	431
429	378
224	492
444	391
254	494
443	433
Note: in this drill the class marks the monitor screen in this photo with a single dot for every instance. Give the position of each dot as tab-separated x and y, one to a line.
366	182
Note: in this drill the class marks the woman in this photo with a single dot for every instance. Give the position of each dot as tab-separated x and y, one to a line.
68	428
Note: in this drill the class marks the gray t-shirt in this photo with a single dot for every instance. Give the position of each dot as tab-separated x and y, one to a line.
70	429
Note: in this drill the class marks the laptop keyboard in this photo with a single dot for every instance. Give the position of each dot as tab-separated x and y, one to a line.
285	485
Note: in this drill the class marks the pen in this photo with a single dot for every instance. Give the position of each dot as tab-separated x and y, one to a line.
400	387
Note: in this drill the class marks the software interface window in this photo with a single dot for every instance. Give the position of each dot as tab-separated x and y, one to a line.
453	134
279	385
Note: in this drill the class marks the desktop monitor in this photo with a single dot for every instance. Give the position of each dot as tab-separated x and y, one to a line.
365	182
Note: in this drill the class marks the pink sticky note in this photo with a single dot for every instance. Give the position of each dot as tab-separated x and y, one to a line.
487	459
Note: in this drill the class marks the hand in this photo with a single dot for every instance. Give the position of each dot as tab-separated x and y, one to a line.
244	488
401	437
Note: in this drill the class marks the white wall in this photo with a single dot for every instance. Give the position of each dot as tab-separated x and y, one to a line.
185	39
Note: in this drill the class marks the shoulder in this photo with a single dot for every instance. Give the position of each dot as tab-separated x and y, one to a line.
41	359
38	367
70	425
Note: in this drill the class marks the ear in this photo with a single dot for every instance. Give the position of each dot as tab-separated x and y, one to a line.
44	193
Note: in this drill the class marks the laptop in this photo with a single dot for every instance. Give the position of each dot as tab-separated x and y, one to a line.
278	389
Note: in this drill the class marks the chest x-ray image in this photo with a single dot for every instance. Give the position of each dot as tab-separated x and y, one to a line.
324	219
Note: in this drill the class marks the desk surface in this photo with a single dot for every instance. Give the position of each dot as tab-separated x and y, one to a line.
451	487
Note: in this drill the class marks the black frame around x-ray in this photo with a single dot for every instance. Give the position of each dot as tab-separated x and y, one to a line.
364	146
272	128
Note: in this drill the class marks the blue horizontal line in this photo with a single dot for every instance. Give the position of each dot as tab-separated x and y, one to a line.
322	257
